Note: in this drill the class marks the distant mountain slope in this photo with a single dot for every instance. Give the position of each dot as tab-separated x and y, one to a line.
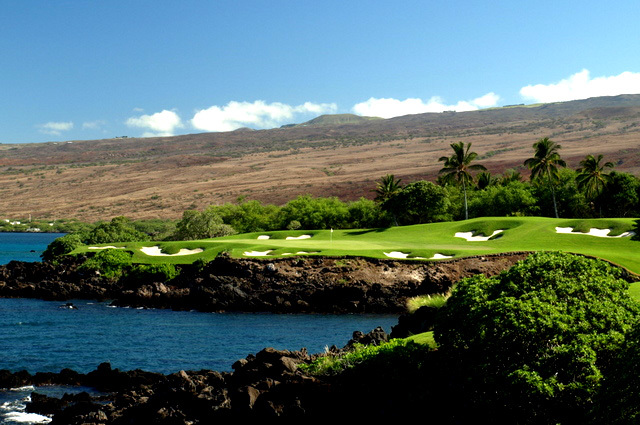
337	119
335	155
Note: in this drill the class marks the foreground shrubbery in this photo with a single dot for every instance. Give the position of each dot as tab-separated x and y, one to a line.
553	340
536	343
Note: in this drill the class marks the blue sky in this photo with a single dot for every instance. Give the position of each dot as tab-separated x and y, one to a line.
89	69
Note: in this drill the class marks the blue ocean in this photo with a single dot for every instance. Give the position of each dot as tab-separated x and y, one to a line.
39	336
24	246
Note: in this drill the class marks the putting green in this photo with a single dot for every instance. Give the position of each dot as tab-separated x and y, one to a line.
419	242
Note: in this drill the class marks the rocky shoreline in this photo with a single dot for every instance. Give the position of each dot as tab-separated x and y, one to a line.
267	384
291	285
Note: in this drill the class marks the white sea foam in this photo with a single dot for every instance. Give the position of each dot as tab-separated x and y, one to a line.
25	388
26	418
14	411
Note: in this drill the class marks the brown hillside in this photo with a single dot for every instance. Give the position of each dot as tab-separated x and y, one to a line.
161	177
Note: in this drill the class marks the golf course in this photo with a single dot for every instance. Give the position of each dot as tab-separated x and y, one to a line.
609	239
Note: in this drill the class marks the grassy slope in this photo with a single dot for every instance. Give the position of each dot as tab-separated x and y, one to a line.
520	234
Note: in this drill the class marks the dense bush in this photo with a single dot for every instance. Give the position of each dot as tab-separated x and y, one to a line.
621	197
119	229
315	213
61	246
513	199
533	344
110	263
155	272
248	216
419	202
201	225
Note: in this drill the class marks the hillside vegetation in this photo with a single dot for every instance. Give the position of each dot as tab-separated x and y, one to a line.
147	178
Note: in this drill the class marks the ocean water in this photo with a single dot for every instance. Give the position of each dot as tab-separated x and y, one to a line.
40	336
24	246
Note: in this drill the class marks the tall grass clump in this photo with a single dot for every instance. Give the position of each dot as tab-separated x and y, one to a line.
383	355
431	300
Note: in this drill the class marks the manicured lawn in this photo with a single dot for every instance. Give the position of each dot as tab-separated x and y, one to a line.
417	243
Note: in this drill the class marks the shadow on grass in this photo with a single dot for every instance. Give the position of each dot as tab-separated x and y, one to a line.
636	230
364	232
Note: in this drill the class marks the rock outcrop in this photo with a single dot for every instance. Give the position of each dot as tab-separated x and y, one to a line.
268	384
289	285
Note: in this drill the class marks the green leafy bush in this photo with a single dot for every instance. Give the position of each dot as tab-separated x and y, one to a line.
119	229
419	202
157	272
61	246
201	225
110	263
532	345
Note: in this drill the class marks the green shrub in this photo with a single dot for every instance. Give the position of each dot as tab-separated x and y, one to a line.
110	263
201	225
61	246
383	355
294	225
532	345
157	272
119	229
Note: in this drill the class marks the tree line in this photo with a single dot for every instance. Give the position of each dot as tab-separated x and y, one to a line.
464	189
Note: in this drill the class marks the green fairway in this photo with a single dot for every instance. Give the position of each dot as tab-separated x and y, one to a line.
418	243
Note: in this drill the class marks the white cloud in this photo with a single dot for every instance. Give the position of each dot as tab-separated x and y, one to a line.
93	125
55	128
581	86
258	114
388	107
159	124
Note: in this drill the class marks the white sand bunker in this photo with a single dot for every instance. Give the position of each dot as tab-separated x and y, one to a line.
601	233
440	256
289	238
264	237
469	236
396	254
257	253
104	247
157	252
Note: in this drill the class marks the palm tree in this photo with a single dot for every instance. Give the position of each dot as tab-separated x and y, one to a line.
544	164
457	168
484	180
386	188
591	176
509	176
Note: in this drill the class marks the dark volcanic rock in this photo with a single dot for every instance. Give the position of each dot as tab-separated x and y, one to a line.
267	384
286	285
